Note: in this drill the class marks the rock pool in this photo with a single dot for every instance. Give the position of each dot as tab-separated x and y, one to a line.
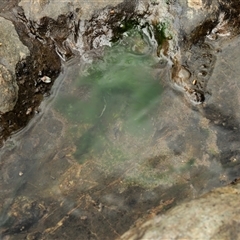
115	143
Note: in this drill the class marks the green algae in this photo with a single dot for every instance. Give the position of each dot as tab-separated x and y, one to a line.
161	34
121	97
126	25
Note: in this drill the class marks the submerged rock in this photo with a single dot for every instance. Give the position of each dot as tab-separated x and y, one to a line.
24	212
215	215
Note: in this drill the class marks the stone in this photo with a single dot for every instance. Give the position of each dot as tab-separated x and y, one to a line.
11	51
196	4
36	9
215	215
8	90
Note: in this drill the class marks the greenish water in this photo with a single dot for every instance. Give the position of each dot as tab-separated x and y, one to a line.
118	91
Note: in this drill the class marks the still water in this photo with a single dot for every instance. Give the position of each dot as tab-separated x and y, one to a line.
113	144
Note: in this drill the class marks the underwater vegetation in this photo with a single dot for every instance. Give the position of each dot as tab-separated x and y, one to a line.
119	92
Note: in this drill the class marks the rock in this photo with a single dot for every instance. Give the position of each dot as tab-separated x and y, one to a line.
215	215
11	51
54	8
196	4
23	213
8	90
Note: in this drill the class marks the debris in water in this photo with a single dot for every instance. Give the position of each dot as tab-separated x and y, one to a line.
29	111
46	79
194	82
104	108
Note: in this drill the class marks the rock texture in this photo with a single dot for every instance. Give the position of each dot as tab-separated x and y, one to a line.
35	10
8	90
11	51
11	48
213	216
196	4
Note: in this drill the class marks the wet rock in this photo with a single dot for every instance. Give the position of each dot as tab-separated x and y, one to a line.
213	216
8	90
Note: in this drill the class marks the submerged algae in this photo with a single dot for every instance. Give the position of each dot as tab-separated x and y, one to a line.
119	93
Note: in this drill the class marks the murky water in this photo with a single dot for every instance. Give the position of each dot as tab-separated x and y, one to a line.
114	144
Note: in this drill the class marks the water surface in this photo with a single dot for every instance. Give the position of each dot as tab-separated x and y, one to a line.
113	143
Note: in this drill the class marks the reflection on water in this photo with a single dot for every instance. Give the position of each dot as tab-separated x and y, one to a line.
115	144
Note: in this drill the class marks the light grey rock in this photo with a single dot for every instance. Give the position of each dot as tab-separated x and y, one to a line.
8	90
11	51
215	215
11	48
36	9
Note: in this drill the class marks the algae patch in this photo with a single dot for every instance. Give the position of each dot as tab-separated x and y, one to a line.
112	104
